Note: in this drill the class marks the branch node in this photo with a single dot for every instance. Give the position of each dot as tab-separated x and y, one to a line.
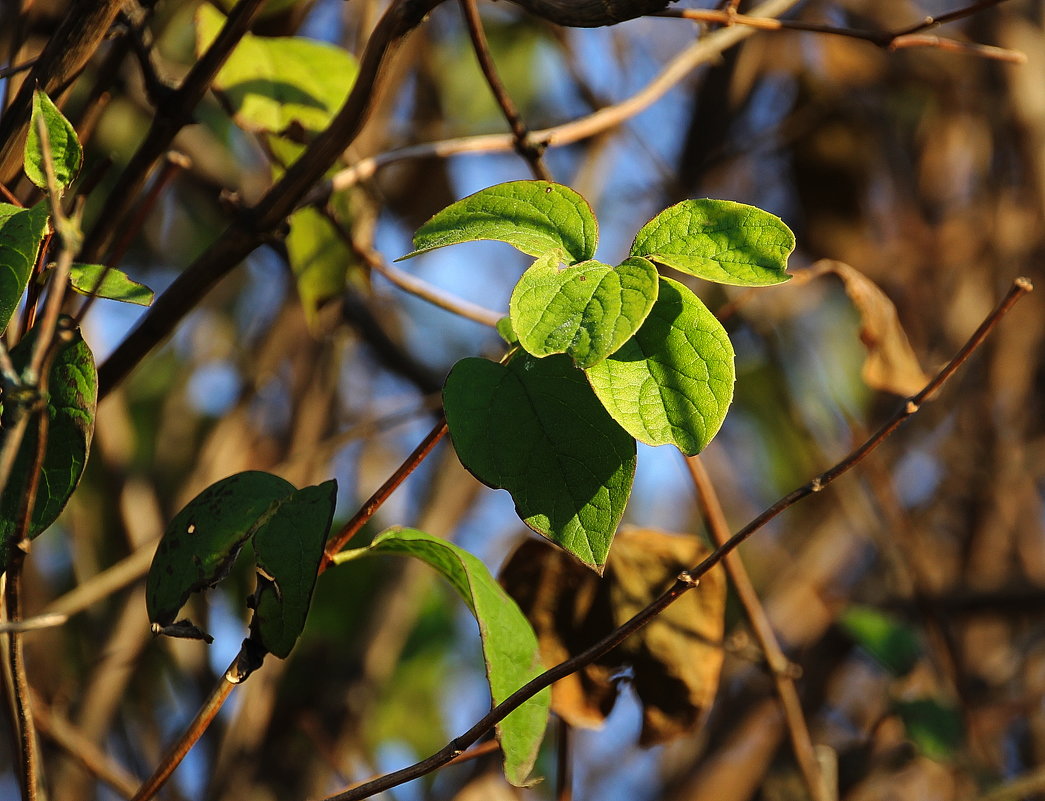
911	407
816	484
1024	283
687	580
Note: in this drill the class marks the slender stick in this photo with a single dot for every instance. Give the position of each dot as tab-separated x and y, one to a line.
523	146
686	580
801	741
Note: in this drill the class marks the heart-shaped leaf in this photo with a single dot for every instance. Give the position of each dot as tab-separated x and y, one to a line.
533	216
534	428
509	643
21	231
203	540
288	548
586	311
672	382
72	397
718	240
66	153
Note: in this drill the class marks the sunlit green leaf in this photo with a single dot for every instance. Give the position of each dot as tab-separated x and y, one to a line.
319	259
718	240
896	645
586	311
114	284
534	428
272	82
65	150
672	382
533	216
201	543
72	398
509	643
21	231
288	548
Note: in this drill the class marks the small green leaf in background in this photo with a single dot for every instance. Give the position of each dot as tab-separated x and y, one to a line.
272	82
66	153
894	644
73	396
201	543
21	231
672	382
718	240
509	643
288	548
532	216
115	284
534	428
319	259
936	728
586	311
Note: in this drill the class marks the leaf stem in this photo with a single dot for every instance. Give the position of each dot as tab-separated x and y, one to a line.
688	579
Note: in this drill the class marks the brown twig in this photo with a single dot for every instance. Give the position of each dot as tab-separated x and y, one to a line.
14	69
523	146
688	579
563	762
779	667
889	40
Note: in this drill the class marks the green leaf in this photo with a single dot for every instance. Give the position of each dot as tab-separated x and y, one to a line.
66	153
115	284
586	311
509	643
895	645
718	240
73	396
532	216
672	382
201	543
288	548
319	259
934	727
272	82
21	231
534	428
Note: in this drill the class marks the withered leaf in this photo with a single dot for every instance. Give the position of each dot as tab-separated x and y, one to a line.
891	364
674	662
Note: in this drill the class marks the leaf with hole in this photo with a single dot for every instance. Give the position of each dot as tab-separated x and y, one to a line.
72	390
509	644
65	151
672	382
586	311
288	548
274	82
109	283
533	216
718	240
203	540
21	231
534	428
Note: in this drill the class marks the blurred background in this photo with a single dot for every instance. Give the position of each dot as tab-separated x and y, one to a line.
910	596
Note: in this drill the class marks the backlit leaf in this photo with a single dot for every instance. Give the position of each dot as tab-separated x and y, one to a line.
532	216
72	398
288	548
114	284
203	540
719	240
319	258
21	231
534	428
272	82
672	382
66	153
509	644
586	311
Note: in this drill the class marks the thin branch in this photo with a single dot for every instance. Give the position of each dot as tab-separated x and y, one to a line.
563	762
779	667
889	40
523	146
14	69
47	621
688	579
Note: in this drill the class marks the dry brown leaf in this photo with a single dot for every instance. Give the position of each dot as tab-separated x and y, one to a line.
891	365
674	662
